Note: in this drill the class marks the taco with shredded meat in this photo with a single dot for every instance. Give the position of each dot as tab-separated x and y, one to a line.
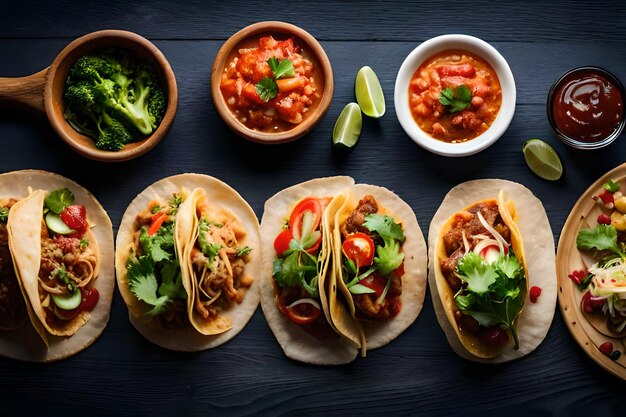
61	244
186	254
13	313
480	279
379	260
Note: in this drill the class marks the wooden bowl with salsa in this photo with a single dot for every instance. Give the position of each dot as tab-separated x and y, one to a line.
455	95
271	82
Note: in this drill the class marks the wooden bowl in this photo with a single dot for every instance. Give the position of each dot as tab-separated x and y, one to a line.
44	91
279	30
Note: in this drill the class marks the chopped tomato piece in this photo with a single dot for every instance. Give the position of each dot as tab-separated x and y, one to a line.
359	248
157	221
375	282
75	217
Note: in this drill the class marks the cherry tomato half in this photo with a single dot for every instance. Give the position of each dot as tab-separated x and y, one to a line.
281	244
359	248
311	204
303	313
75	217
375	282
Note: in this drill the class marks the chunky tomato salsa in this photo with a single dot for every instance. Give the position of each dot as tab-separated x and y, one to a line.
270	87
455	96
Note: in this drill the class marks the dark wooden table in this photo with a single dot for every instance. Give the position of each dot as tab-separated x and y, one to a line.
123	374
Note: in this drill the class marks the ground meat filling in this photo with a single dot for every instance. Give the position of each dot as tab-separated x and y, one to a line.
12	305
468	222
366	303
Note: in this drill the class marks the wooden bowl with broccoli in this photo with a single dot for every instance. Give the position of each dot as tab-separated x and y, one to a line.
110	95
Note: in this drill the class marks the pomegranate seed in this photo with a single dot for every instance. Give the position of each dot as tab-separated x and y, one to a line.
588	305
577	276
606	348
604	219
535	292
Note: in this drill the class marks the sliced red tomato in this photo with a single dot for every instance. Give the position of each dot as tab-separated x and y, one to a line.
359	248
375	282
400	270
90	299
75	217
303	313
311	204
157	221
281	244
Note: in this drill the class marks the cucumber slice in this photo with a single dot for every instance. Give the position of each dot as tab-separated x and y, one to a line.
68	302
55	223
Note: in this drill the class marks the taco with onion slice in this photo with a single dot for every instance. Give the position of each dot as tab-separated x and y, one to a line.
178	252
379	259
480	279
61	244
297	250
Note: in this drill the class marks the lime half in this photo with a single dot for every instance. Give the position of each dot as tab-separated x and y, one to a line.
348	126
369	93
542	159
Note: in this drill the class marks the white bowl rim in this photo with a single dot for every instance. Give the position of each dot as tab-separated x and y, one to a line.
441	43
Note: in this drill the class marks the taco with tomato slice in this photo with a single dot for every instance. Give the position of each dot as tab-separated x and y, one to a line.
480	279
379	259
182	259
296	263
61	243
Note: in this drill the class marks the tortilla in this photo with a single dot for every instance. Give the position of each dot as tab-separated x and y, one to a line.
378	333
13	313
535	319
220	195
294	340
26	343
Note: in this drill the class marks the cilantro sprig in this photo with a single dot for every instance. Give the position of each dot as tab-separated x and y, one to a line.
267	87
457	100
612	186
601	237
495	291
58	199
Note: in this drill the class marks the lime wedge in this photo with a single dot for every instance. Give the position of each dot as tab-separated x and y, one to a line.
348	126
369	93
542	159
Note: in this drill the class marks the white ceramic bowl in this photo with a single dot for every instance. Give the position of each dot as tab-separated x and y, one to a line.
475	46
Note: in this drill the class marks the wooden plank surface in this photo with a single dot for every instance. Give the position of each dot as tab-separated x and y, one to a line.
122	374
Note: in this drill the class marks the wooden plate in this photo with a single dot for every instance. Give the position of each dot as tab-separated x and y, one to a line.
568	259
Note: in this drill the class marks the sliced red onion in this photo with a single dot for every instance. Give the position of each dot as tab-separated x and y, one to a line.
599	298
483	244
305	301
501	242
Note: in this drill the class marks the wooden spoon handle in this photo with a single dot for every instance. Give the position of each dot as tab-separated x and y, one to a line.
25	90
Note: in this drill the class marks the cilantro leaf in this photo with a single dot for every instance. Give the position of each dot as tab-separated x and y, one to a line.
388	257
4	214
456	101
510	266
153	245
143	284
83	243
58	199
171	281
297	269
243	251
273	63
478	274
612	186
284	69
385	226
175	203
601	237
266	89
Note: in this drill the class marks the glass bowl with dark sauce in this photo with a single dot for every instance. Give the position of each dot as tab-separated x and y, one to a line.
586	108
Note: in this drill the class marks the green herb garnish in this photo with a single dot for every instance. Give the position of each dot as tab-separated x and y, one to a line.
243	251
58	199
4	214
62	275
612	186
83	243
601	237
456	101
267	87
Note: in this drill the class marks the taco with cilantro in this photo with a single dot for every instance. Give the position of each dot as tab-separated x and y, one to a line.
178	252
480	279
296	269
61	243
379	262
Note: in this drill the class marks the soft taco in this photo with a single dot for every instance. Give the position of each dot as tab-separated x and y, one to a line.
187	249
297	250
13	313
486	252
379	261
61	243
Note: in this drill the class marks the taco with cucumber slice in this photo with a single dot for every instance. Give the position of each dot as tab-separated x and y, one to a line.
481	272
297	268
379	259
61	244
181	269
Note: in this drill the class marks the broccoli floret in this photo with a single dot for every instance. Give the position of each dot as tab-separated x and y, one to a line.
122	98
